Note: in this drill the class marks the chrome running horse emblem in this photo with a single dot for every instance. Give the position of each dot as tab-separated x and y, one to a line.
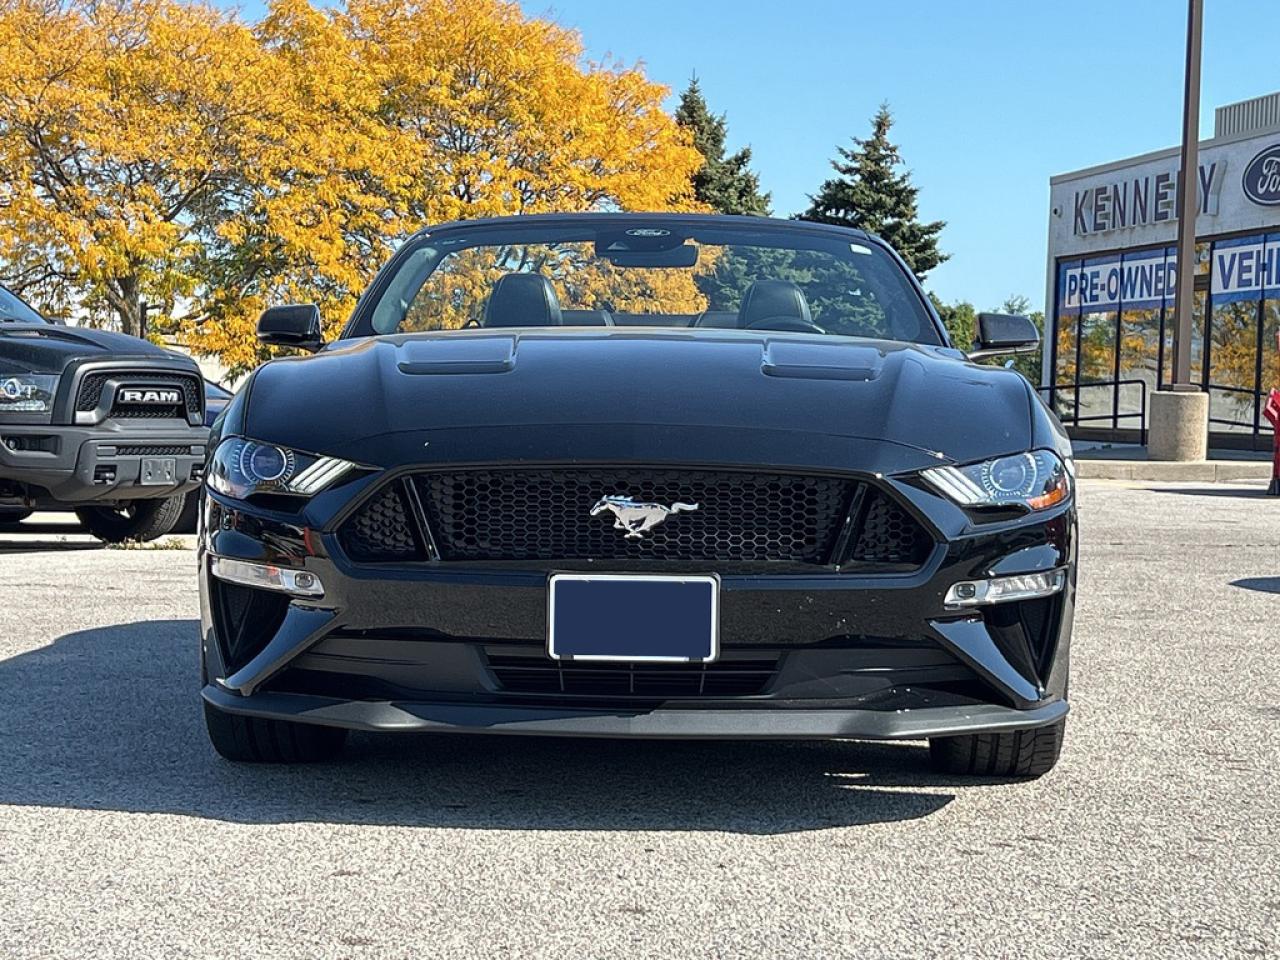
636	517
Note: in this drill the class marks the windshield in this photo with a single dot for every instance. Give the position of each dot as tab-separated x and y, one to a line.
649	273
13	310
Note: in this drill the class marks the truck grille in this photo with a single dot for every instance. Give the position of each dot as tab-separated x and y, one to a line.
534	673
92	384
544	515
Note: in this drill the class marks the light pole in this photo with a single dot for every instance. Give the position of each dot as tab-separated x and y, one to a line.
1180	415
1189	201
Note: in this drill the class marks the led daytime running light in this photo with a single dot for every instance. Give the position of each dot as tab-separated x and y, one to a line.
265	576
1020	586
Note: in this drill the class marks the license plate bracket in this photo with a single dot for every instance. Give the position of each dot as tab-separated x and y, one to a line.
158	472
673	618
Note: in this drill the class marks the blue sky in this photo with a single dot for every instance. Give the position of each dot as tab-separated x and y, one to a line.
991	96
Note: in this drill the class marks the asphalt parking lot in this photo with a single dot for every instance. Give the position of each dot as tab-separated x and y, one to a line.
122	835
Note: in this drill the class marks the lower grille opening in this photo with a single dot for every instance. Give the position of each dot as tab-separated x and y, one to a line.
535	673
246	620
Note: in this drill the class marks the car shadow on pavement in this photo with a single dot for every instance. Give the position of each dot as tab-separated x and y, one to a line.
19	538
1261	584
109	719
1234	491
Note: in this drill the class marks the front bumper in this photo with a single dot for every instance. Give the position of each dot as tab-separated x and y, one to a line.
418	646
50	464
657	723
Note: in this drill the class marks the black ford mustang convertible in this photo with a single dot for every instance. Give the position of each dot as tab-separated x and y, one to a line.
650	475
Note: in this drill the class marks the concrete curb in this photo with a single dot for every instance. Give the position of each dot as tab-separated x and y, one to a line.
1202	471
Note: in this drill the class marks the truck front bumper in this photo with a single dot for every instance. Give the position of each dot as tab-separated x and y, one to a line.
48	465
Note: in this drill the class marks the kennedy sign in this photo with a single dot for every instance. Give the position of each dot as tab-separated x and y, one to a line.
1136	201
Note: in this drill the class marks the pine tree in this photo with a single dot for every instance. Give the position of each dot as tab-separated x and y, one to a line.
725	184
872	195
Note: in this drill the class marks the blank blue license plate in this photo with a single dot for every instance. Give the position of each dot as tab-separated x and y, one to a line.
621	617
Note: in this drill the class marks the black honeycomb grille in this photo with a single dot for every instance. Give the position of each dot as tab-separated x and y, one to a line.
381	529
534	515
888	534
545	514
92	384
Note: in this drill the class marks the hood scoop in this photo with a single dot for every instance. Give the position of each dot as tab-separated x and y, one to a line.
821	361
461	355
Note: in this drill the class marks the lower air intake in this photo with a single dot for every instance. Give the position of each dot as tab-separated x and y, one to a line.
535	673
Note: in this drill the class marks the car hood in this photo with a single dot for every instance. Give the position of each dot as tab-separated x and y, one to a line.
40	348
623	395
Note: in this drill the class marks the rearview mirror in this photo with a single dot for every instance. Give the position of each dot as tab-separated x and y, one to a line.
685	255
294	325
1002	333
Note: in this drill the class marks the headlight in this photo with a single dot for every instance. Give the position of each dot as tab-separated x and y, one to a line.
1035	480
27	393
241	468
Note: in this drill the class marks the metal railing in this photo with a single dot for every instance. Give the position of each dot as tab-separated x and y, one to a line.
1115	415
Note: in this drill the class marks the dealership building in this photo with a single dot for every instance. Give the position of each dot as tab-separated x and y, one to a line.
1111	284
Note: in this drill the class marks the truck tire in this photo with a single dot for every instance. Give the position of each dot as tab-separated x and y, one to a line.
189	519
10	518
1018	753
135	520
260	740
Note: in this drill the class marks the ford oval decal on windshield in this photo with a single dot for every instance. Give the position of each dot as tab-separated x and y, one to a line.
1262	177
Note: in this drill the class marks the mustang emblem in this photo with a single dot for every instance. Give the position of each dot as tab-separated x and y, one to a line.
636	517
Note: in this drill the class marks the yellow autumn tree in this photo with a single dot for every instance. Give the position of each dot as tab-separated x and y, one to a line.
121	124
166	152
484	112
324	202
508	118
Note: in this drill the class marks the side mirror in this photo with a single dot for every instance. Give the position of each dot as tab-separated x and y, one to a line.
1001	333
292	325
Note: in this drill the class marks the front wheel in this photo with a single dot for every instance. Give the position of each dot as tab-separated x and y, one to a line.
133	520
261	740
1018	753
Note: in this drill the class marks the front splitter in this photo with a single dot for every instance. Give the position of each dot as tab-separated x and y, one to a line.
663	723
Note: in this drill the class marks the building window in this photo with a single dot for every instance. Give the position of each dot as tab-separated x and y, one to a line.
1239	269
1114	321
1147	283
1066	321
1269	350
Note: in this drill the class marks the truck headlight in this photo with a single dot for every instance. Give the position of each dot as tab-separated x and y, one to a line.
27	392
240	468
1036	480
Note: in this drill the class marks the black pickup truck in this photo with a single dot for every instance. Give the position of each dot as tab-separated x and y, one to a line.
104	424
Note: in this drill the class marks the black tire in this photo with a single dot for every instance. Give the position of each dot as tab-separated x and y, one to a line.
1018	753
258	740
189	518
134	520
11	518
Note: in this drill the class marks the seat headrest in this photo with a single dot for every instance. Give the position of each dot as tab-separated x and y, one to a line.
523	300
773	298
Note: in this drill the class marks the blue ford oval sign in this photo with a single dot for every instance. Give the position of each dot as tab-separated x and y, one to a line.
1262	177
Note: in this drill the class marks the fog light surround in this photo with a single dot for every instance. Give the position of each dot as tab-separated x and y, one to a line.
266	576
1019	586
